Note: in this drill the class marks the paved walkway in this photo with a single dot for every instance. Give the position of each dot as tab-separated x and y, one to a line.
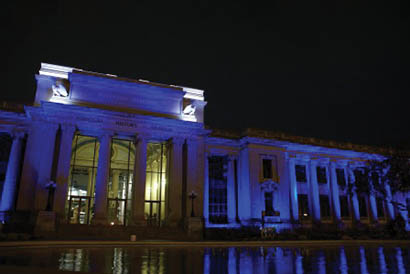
34	244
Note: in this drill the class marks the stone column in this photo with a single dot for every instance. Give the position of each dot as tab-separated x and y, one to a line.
45	155
231	199
8	197
104	155
63	170
314	192
174	208
334	192
400	197
389	206
25	200
206	189
373	209
138	190
353	199
293	190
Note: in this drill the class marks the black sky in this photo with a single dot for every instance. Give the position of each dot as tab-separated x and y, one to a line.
329	70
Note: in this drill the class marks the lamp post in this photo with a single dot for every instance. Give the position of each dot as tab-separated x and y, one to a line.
192	196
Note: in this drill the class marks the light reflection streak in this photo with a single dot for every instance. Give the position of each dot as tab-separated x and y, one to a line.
232	260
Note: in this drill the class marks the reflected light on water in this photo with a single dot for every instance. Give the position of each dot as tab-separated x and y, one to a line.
232	260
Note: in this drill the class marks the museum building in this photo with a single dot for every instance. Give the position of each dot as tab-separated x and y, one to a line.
98	149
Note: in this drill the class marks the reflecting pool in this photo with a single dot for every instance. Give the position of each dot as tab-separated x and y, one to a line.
194	259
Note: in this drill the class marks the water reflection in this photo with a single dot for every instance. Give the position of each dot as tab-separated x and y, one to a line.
232	260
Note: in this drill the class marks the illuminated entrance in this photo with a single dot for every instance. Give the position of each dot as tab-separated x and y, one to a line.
81	190
120	181
81	185
156	182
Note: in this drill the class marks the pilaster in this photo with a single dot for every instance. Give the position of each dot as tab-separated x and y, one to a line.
192	175
206	189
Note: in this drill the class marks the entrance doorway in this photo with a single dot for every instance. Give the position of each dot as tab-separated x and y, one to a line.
80	211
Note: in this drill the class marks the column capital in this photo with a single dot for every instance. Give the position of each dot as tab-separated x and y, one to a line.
46	126
313	163
177	140
333	164
105	135
232	157
142	136
69	128
192	141
17	134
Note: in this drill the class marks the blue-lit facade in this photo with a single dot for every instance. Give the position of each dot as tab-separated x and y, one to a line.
97	149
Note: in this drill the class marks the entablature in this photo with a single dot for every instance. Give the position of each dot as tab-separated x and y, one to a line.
96	120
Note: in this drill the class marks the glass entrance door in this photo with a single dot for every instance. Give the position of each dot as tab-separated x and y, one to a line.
117	211
152	211
155	184
79	209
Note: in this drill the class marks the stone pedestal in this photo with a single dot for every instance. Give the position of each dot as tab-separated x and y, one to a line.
46	222
194	227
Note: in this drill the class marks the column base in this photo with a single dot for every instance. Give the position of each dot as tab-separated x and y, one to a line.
99	221
46	221
194	227
5	216
175	223
138	222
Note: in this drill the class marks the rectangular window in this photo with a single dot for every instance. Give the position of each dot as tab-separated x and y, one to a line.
303	206
321	175
300	173
218	190
324	206
267	168
344	206
362	207
340	174
380	207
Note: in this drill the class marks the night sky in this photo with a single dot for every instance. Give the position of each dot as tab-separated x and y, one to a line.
336	71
